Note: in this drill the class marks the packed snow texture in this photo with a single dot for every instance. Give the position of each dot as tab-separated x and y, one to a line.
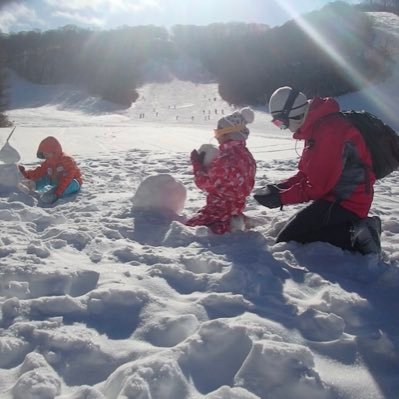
160	192
9	177
100	299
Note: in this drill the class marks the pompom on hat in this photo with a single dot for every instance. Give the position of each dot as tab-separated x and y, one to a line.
234	126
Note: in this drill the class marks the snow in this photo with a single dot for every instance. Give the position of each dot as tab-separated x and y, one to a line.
10	176
160	192
210	151
100	298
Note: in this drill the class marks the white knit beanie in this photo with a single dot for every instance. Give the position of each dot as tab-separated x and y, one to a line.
234	126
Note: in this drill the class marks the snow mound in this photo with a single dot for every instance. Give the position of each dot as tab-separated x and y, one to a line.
9	177
160	192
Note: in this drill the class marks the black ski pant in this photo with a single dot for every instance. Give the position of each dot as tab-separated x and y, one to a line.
321	221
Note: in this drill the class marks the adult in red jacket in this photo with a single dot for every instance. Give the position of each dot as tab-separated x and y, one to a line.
58	170
229	178
334	171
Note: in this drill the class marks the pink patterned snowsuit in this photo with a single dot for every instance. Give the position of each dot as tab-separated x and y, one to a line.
228	181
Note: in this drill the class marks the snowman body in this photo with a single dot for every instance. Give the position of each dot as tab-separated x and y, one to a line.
10	176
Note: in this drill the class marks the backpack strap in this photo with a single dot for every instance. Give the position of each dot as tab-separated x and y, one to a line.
367	168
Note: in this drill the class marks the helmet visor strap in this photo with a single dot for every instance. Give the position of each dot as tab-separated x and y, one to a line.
282	116
289	103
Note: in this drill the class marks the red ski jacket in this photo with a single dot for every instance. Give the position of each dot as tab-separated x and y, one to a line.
61	169
228	181
335	164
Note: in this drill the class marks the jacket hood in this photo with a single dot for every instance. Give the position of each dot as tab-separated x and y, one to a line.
318	108
49	144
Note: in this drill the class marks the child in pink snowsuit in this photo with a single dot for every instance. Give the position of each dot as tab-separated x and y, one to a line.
229	178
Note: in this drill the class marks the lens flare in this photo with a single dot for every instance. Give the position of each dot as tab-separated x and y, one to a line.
379	101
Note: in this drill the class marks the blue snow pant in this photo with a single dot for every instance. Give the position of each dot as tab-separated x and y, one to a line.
44	184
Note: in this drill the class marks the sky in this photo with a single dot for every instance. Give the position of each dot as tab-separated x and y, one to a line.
19	15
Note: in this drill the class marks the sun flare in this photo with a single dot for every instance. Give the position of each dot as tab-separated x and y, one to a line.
373	94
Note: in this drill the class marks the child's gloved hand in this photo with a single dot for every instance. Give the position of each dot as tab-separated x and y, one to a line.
197	159
271	200
21	168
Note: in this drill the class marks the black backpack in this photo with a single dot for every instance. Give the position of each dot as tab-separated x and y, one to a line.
381	140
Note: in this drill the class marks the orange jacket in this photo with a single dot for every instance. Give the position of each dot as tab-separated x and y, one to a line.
61	169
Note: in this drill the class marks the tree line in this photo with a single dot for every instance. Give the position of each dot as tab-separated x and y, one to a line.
317	53
380	5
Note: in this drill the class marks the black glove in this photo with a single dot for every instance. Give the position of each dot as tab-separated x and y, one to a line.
197	160
197	157
21	168
273	188
271	200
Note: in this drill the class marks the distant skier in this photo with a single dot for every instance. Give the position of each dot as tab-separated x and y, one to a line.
334	172
58	173
229	178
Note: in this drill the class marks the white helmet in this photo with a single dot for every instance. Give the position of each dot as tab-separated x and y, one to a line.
288	106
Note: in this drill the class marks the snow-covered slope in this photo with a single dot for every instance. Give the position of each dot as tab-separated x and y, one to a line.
99	300
381	99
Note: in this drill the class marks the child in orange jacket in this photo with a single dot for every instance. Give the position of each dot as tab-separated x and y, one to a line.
58	171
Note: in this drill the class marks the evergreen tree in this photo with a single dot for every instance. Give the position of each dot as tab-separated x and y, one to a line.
249	61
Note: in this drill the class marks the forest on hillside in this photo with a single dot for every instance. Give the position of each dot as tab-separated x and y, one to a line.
380	5
249	61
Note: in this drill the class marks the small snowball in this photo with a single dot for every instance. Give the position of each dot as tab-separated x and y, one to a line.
248	114
211	152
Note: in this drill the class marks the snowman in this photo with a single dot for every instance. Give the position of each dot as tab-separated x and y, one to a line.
11	178
9	172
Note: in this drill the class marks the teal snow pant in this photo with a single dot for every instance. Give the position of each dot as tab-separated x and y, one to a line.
44	185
